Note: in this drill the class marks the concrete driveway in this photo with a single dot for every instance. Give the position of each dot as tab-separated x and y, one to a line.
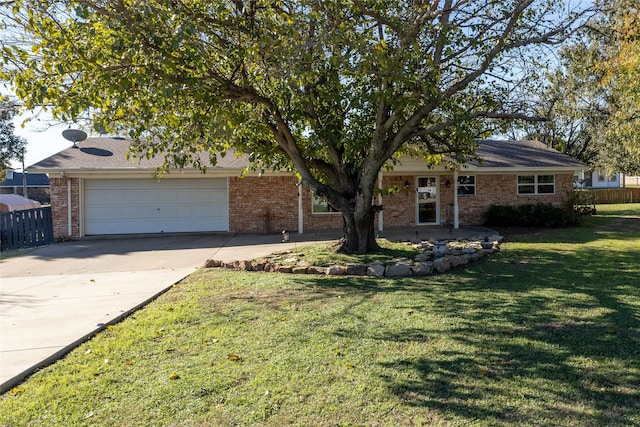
55	297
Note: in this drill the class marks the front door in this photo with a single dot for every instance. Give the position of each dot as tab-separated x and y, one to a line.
427	202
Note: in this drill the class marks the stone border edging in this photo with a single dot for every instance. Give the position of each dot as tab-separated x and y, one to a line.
458	252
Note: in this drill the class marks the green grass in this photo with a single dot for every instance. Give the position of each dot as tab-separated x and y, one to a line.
546	333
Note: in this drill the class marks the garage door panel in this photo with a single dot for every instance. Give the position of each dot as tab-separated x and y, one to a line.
150	206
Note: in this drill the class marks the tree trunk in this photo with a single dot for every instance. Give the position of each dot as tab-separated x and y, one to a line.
359	233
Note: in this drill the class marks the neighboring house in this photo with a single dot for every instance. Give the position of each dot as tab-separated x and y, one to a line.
95	190
600	179
37	185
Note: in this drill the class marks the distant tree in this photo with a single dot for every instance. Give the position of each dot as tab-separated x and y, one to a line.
593	98
11	146
332	90
621	71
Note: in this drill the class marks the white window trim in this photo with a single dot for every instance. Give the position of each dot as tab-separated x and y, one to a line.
536	184
474	185
313	212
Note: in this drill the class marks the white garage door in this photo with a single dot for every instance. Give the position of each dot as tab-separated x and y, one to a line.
127	206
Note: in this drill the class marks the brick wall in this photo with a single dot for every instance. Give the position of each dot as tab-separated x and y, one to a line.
502	190
321	221
270	204
446	199
60	208
266	204
399	208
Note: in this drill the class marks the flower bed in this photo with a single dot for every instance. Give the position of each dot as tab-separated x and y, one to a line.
433	259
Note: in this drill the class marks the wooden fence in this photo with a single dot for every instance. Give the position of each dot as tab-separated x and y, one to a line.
605	196
27	228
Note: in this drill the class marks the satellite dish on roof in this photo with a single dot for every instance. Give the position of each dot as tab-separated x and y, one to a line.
74	135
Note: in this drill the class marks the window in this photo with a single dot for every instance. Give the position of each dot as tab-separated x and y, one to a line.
467	185
320	206
536	184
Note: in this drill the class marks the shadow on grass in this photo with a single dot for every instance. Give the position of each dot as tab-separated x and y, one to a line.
550	337
613	225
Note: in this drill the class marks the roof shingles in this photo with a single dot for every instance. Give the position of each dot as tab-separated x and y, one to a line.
521	154
110	154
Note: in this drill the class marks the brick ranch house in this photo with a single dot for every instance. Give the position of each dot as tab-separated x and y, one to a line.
95	190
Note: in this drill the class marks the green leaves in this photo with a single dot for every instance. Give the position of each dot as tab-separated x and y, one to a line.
593	96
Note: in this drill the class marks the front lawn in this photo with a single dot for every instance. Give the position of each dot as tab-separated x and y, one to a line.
545	333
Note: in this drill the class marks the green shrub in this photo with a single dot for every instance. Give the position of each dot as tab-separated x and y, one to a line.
530	215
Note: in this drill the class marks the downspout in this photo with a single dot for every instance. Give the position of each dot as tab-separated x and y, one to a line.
300	212
69	228
380	212
456	212
81	208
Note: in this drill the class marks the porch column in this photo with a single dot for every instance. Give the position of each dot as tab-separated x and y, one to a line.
300	213
380	213
456	219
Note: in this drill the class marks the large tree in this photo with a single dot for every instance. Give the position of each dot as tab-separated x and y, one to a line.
332	90
11	146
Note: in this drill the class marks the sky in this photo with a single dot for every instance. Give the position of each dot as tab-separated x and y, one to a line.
43	139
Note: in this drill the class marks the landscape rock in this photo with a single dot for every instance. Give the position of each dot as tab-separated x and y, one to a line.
356	270
314	269
424	256
212	263
457	260
336	270
376	269
474	256
423	268
245	266
398	270
456	253
442	264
